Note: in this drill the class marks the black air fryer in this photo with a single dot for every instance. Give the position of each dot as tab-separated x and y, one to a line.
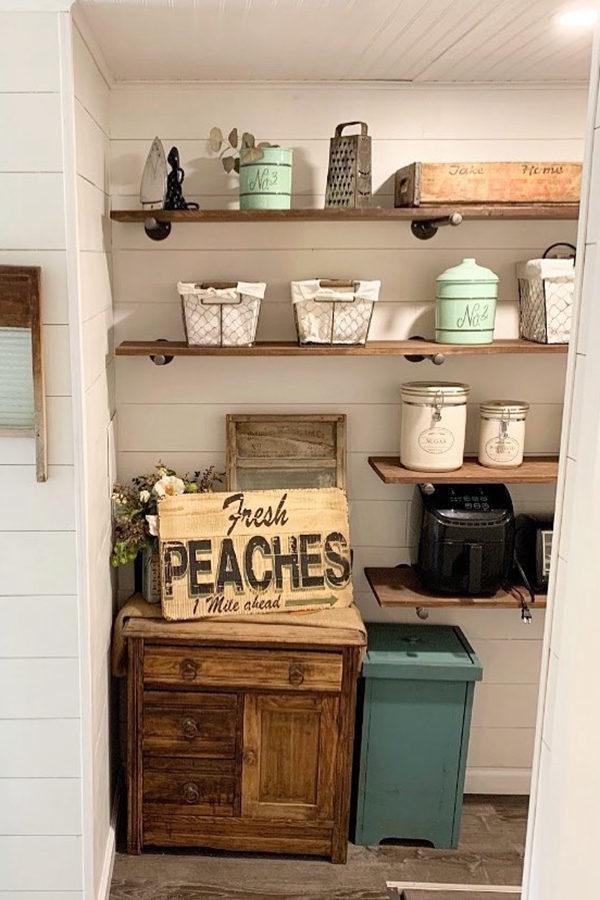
467	538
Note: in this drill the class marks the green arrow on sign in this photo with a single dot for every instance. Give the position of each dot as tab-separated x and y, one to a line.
327	601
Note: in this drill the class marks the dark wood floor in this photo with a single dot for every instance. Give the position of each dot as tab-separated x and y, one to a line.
490	852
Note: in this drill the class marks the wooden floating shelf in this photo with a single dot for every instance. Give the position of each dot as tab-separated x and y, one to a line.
534	470
376	214
400	588
372	348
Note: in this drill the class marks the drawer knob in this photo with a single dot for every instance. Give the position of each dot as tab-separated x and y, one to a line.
189	727
191	792
189	669
249	758
296	675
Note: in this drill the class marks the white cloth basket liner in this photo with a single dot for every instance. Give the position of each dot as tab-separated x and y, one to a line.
221	317
546	290
328	316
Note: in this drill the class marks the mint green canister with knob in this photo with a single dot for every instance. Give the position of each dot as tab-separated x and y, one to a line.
465	304
266	183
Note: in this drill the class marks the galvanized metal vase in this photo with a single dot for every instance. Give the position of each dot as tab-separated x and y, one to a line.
465	304
150	575
267	183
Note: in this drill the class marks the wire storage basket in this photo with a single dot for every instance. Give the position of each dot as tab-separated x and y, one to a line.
221	314
332	311
546	288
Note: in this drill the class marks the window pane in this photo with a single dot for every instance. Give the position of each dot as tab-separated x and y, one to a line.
16	379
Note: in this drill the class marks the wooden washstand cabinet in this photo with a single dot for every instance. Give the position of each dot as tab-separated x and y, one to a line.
240	735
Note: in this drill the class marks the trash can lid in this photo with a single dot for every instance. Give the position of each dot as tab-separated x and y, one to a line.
420	652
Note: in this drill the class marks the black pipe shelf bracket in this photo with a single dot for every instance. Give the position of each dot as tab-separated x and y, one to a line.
156	229
437	359
161	359
425	229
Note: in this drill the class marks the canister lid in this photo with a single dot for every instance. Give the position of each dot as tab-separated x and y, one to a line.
497	407
434	388
420	653
468	270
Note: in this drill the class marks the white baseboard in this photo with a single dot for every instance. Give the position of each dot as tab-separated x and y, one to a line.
498	781
107	867
111	847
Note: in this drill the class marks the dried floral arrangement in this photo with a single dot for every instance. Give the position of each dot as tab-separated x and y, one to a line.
246	148
135	507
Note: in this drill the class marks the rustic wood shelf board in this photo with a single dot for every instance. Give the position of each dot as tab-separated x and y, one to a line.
376	214
372	348
534	470
400	588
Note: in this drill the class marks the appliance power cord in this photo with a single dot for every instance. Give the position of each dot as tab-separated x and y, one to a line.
525	610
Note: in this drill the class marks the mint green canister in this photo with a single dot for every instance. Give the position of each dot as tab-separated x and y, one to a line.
267	183
465	304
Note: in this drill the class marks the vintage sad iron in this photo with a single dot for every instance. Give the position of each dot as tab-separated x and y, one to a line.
153	190
162	191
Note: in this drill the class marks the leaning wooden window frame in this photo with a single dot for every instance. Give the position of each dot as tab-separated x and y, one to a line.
20	308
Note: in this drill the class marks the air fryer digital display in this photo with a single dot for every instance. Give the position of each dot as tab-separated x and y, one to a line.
471	500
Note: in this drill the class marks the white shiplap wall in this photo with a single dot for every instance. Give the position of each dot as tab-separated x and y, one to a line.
40	705
177	413
95	323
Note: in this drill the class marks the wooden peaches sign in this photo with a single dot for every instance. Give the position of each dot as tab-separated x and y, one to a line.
254	552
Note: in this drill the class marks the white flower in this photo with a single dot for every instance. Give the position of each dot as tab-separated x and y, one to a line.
152	525
144	496
169	486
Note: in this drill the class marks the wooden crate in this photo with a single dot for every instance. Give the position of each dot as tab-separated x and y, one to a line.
428	184
272	452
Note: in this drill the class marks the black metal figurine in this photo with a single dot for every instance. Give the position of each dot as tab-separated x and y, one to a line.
174	198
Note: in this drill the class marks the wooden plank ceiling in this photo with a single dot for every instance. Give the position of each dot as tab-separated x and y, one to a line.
340	40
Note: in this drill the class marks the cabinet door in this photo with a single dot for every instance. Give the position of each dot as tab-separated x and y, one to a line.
289	760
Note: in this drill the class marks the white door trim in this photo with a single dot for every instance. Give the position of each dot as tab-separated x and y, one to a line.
472	888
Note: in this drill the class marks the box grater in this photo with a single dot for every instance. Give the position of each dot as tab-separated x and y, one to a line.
349	173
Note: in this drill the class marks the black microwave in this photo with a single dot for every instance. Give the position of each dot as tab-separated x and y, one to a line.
533	549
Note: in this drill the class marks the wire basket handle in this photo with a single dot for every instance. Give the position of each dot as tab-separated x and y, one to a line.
560	244
337	283
364	128
218	298
329	290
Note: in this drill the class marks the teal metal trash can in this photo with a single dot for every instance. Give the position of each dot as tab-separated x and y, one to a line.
418	696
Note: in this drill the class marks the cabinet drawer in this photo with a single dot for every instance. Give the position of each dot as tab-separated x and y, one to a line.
190	724
204	787
189	667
